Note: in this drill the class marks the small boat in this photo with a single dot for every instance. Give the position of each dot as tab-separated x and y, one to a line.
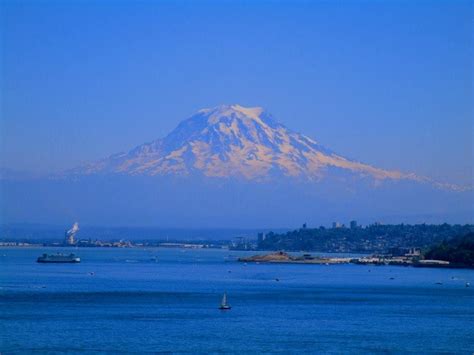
468	284
224	306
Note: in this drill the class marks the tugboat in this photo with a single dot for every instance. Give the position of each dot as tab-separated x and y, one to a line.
58	258
224	306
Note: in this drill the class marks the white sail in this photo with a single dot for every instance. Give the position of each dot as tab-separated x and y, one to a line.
224	300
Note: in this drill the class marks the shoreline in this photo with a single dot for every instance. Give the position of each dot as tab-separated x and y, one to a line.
285	258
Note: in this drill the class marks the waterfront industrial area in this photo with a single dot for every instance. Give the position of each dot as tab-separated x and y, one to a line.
402	245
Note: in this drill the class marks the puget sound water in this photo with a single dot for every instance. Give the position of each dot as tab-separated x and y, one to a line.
166	300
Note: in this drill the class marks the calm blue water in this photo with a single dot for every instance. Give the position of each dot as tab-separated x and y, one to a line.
134	303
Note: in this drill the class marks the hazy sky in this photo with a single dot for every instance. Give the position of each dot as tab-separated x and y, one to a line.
385	82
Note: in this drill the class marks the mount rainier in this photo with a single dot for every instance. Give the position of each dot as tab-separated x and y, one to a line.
240	142
231	166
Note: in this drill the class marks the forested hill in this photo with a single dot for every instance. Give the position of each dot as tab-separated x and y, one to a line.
373	238
459	251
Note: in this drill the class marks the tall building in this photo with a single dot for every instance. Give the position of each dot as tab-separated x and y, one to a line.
260	237
353	224
336	225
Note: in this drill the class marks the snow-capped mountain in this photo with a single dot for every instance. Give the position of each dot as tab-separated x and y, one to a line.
237	166
234	141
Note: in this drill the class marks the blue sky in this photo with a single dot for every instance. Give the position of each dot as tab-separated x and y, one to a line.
385	82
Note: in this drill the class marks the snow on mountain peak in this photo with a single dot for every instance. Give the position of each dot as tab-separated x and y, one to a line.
216	114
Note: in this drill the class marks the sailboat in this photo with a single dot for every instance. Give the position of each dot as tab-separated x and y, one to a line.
224	306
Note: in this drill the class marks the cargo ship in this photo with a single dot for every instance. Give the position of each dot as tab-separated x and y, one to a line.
58	258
